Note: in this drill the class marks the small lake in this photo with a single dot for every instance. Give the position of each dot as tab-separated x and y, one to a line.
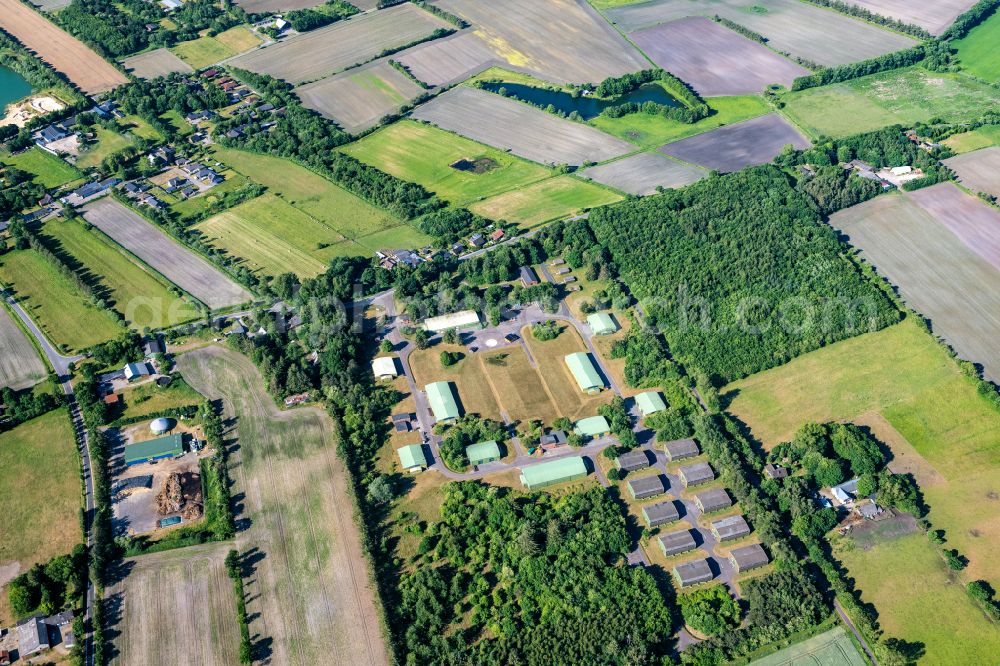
12	87
586	105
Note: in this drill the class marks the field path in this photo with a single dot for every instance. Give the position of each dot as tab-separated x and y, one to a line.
310	598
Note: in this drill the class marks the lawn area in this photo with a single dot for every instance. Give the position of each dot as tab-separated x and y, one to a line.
141	128
151	398
983	137
196	205
424	154
977	51
901	96
468	376
517	386
206	51
39	492
48	169
175	118
549	357
106	142
546	200
654	131
142	297
317	197
908	582
273	237
66	316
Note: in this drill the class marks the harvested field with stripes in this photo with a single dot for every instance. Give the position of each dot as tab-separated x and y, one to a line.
317	54
562	41
156	63
359	98
715	60
641	174
820	35
979	170
934	17
524	130
181	266
448	60
65	53
733	147
20	365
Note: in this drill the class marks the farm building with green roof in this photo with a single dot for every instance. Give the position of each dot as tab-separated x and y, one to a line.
442	400
584	372
650	402
482	453
556	471
601	323
412	457
592	426
170	446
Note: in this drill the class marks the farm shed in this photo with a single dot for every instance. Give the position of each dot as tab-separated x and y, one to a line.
749	557
650	402
646	487
630	461
528	276
170	446
442	401
680	448
463	319
675	543
692	573
730	527
483	452
412	457
584	372
601	323
556	471
384	367
713	500
592	426
660	513
692	475
137	370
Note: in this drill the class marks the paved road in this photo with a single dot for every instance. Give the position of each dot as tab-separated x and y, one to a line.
854	630
58	362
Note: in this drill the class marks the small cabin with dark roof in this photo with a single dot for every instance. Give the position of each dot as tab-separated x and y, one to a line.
646	487
675	543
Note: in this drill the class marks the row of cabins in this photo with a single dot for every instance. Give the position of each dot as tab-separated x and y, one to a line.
699	571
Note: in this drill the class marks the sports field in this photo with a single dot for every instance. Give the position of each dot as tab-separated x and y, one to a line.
273	237
40	494
832	648
20	365
56	305
977	51
152	64
641	174
310	598
546	200
323	200
934	17
733	147
188	596
48	169
903	96
979	170
425	154
144	299
206	50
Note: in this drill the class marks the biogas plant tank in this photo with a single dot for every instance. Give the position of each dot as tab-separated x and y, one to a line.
160	426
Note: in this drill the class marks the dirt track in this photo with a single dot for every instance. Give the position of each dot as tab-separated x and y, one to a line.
310	597
59	49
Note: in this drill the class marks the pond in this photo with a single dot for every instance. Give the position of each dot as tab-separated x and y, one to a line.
12	87
586	105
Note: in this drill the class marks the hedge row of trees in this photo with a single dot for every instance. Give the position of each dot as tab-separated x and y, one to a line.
867	15
331	11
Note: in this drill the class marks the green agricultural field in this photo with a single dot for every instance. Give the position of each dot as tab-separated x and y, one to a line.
983	137
39	492
544	201
831	648
48	169
424	154
139	295
66	316
206	51
317	197
650	131
902	96
273	237
106	143
977	51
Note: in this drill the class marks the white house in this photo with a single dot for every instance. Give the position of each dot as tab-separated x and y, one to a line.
137	370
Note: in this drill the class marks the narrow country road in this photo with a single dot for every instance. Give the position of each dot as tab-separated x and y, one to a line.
854	630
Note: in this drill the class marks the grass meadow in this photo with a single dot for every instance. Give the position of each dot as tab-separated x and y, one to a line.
982	137
544	201
150	398
61	310
468	376
206	51
106	142
48	169
977	51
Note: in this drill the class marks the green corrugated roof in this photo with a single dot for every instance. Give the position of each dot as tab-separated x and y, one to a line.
412	456
482	452
601	323
442	401
592	426
172	445
544	474
584	371
650	402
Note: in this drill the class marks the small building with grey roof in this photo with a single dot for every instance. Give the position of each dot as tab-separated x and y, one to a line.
730	527
713	499
660	513
675	543
631	461
32	636
692	573
749	557
692	475
646	487
680	449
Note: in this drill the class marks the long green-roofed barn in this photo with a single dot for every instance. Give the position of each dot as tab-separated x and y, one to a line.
592	426
170	446
650	402
585	372
556	471
412	457
442	401
601	323
483	452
